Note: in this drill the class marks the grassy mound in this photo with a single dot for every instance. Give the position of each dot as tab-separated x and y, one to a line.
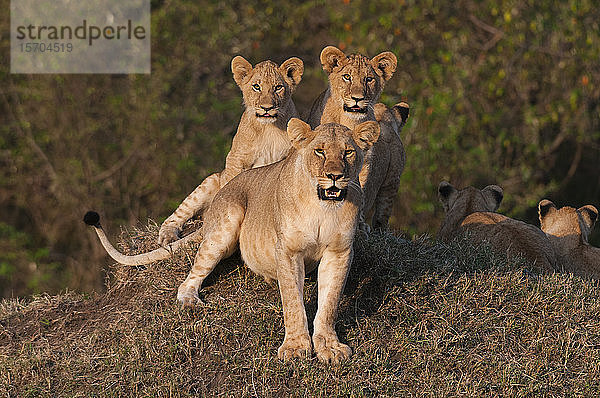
422	319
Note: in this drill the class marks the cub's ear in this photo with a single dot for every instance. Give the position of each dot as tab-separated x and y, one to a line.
493	196
331	58
366	134
545	207
385	64
240	68
401	110
589	215
446	194
299	133
292	70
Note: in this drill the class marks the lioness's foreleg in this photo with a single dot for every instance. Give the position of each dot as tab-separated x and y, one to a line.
384	204
332	274
290	276
199	199
220	241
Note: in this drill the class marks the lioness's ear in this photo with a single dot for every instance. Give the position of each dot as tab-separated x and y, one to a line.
240	68
331	57
299	133
545	207
385	64
446	194
589	215
401	110
292	70
366	134
493	196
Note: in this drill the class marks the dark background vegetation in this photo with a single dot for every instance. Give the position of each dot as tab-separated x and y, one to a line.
504	92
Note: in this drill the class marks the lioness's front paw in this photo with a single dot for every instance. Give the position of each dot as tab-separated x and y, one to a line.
168	233
188	296
330	350
297	347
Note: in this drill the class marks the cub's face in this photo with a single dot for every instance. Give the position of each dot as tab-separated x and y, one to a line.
333	154
266	87
356	81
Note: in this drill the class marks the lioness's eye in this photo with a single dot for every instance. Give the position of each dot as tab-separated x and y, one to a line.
256	87
369	79
278	87
320	152
348	153
346	77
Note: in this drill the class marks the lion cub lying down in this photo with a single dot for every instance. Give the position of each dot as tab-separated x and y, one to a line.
568	230
287	217
472	210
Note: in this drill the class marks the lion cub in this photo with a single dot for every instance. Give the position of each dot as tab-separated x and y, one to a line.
568	230
355	84
472	210
261	135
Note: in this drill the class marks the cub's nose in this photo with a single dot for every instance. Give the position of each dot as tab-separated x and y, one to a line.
358	99
267	108
334	177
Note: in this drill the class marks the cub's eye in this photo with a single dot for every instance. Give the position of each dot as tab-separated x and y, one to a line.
320	152
346	77
348	153
278	87
369	79
256	87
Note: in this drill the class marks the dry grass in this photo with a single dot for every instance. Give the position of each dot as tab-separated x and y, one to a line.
423	319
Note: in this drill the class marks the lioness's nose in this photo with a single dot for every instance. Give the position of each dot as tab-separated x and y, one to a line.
335	177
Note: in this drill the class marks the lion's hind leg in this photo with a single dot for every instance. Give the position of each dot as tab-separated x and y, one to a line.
198	200
220	241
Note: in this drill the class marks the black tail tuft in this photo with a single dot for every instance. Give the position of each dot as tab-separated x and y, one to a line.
91	218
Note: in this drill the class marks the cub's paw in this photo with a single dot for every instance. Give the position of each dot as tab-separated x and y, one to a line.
188	296
330	350
168	233
296	347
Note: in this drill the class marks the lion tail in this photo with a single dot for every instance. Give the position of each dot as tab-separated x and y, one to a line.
93	219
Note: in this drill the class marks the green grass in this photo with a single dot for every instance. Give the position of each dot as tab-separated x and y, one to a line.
422	318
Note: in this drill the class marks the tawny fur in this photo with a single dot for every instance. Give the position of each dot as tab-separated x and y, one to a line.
473	211
568	230
355	83
261	137
284	229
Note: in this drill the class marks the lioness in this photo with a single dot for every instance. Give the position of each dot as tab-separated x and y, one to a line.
261	135
355	84
472	210
568	230
288	217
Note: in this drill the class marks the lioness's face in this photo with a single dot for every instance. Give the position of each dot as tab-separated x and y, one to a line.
333	154
267	88
355	80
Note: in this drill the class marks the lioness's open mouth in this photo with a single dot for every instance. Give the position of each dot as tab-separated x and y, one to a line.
267	115
331	193
355	109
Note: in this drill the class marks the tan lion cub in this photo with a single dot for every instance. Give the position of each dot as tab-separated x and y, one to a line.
568	230
287	217
261	136
355	84
472	210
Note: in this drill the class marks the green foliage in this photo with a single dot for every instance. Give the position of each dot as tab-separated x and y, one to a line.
500	91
